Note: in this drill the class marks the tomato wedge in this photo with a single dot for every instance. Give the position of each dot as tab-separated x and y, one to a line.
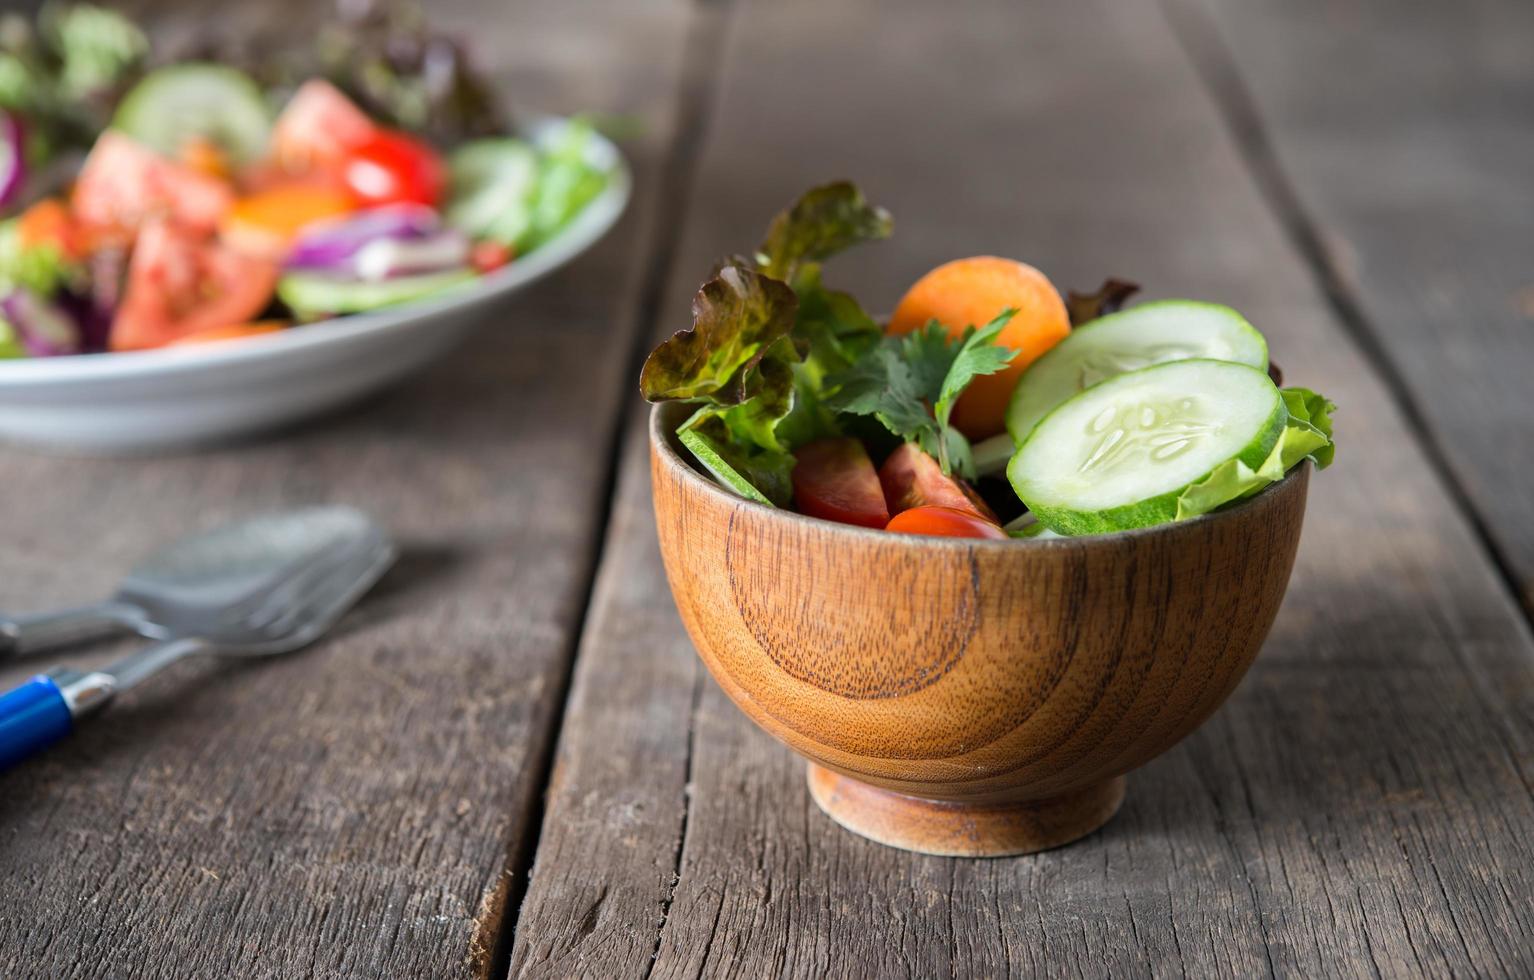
945	522
835	480
182	282
234	331
912	478
318	127
123	184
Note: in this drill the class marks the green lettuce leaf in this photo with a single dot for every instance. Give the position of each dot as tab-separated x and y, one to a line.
1307	435
40	268
1314	411
10	343
737	317
831	331
738	361
755	419
826	220
567	182
766	344
762	475
97	48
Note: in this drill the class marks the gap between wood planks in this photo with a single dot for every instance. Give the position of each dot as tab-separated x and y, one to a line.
1215	65
701	65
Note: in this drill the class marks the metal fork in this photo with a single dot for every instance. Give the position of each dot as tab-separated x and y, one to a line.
294	615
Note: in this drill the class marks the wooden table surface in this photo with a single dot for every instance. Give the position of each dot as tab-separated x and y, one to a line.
510	761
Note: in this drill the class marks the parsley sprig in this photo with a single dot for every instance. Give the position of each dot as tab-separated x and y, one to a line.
910	384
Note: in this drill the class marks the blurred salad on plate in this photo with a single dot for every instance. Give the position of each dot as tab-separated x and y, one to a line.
150	200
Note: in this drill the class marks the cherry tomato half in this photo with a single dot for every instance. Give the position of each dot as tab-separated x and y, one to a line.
392	168
835	480
487	256
945	522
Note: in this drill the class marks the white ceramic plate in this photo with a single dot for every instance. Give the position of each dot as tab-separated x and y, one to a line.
147	401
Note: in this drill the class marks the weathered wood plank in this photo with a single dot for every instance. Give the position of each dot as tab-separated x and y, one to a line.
1402	136
356	810
1362	805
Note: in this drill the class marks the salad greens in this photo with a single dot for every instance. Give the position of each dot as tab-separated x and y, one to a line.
42	268
802	399
775	359
823	222
901	377
384	55
508	191
65	74
1307	435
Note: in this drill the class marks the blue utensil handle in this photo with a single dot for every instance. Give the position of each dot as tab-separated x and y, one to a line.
32	717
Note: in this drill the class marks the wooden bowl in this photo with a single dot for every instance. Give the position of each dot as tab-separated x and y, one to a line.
968	697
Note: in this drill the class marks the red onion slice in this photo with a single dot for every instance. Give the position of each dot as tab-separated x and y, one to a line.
387	258
44	329
329	246
13	168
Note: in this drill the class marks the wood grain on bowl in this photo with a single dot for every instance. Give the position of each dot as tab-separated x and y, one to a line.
1021	676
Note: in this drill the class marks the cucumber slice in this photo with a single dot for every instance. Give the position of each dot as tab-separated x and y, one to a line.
710	455
1154	333
181	102
1118	455
992	455
494	182
311	295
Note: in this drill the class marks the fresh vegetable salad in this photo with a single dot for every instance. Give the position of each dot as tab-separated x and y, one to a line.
215	202
988	406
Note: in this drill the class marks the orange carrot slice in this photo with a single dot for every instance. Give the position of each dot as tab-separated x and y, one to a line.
233	331
266	223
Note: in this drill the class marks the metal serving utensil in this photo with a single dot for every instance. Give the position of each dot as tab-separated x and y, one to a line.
286	618
184	587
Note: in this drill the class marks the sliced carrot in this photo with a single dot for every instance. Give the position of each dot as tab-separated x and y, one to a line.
233	331
49	222
266	223
206	157
971	292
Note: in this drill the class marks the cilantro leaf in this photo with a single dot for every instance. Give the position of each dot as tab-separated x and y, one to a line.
911	383
930	355
883	384
737	317
977	355
826	220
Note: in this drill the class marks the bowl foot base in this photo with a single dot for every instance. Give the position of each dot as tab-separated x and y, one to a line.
963	829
